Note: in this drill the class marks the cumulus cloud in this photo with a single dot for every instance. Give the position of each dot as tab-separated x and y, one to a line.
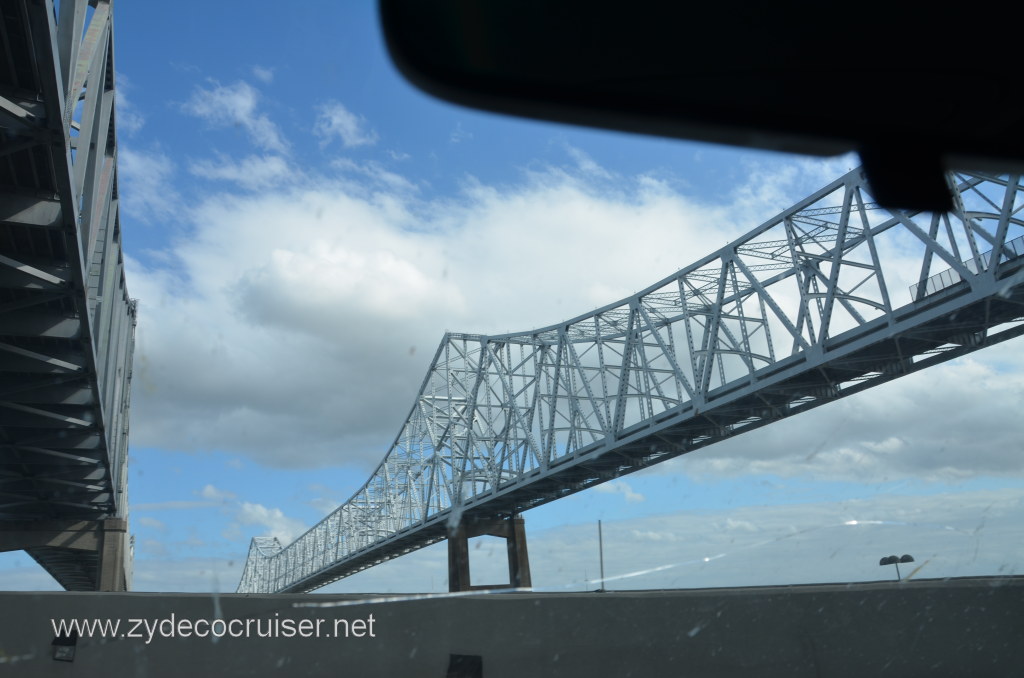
153	523
376	175
264	75
620	487
945	423
293	327
252	172
585	163
129	118
174	505
147	190
236	105
459	134
212	493
325	499
650	535
334	121
276	523
282	328
185	574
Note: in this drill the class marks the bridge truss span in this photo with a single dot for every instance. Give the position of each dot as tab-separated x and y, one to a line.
832	296
67	322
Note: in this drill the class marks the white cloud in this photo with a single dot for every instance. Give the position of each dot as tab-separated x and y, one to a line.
945	423
650	535
182	574
154	548
153	523
459	134
889	445
129	119
282	329
294	326
586	164
376	174
252	172
214	494
745	525
273	519
147	191
324	499
324	505
264	75
620	487
236	105
176	505
335	121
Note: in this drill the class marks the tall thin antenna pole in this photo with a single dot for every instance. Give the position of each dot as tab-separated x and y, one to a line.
600	551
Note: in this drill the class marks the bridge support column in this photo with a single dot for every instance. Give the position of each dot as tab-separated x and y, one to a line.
512	529
112	575
46	539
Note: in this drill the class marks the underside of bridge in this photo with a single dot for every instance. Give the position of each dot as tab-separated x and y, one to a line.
66	320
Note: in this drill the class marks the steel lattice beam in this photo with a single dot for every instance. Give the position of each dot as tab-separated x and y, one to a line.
66	320
832	296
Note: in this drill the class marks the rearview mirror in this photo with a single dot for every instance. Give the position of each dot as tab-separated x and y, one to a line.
915	90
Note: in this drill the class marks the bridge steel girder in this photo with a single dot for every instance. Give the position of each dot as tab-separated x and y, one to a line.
66	320
832	296
88	554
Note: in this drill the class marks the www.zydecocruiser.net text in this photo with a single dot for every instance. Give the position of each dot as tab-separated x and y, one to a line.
175	627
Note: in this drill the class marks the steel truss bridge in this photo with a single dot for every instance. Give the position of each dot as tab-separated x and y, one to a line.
66	320
831	297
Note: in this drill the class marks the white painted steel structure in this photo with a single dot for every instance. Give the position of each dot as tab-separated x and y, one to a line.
829	298
66	320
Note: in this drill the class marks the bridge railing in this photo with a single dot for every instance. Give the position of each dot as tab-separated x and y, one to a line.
949	277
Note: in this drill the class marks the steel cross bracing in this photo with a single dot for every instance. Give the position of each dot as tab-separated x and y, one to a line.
831	297
66	320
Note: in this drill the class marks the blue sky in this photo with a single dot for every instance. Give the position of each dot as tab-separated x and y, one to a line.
302	226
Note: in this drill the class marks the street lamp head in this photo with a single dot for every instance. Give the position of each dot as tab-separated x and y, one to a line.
907	558
889	560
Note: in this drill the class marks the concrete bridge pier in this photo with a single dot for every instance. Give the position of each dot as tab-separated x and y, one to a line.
512	529
82	555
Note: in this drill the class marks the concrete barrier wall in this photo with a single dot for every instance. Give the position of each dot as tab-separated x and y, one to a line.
919	628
